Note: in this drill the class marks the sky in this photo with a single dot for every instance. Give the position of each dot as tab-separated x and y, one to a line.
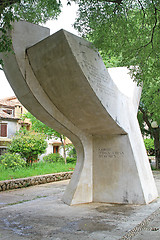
65	21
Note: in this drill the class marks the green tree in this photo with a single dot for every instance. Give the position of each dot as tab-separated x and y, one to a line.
28	144
71	151
35	11
40	127
149	144
125	29
149	112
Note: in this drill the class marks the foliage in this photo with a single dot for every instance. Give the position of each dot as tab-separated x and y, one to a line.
150	100
123	29
149	144
39	168
28	145
149	111
12	160
35	11
40	127
71	160
71	151
53	157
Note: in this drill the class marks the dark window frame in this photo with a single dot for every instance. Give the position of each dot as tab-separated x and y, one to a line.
55	149
3	129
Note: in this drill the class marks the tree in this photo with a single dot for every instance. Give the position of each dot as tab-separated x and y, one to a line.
35	11
28	144
72	151
40	127
149	144
127	29
147	129
149	111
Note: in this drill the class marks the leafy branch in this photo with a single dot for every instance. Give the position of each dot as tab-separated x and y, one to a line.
153	31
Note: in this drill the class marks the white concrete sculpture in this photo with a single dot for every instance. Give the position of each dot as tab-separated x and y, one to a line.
62	80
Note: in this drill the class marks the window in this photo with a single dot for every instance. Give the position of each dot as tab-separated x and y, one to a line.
26	125
8	111
55	149
3	129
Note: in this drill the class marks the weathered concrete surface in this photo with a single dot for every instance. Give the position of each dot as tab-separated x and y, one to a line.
38	213
62	80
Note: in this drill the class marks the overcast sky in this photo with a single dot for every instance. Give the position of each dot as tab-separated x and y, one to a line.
65	21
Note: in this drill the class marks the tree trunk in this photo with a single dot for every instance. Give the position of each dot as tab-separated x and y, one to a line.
156	134
64	150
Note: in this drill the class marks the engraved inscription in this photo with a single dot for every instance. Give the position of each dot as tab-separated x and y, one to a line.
98	80
95	74
108	153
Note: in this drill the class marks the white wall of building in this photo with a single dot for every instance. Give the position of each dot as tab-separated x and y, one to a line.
12	128
49	149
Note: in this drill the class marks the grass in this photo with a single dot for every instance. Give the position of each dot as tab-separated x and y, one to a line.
39	168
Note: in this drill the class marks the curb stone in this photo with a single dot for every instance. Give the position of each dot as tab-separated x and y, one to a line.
35	180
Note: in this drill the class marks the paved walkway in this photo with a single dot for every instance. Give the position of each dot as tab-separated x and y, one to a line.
38	213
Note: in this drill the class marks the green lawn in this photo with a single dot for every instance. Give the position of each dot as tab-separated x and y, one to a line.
39	168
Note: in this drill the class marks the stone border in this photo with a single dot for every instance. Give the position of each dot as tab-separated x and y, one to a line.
141	226
35	180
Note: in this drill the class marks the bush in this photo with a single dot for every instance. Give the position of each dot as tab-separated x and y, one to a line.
53	157
12	160
149	144
71	159
28	145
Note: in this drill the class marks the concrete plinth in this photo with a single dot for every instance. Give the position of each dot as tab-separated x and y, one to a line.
62	80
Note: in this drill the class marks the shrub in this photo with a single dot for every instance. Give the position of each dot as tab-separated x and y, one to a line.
71	159
12	160
28	145
149	144
53	157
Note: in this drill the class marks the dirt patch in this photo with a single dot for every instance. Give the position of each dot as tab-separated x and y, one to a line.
118	209
88	225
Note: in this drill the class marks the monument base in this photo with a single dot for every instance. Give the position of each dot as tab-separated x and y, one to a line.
112	173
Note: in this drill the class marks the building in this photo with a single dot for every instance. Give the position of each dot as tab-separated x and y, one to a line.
55	146
11	111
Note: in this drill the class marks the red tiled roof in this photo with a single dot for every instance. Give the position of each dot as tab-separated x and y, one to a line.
10	102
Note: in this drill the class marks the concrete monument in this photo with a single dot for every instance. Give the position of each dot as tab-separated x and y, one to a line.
62	80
